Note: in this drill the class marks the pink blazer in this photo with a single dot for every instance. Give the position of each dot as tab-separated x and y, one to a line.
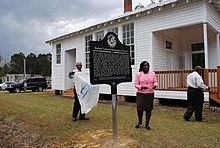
148	80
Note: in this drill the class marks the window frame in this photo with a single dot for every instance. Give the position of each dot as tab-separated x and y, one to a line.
58	53
88	38
128	38
168	45
113	29
99	35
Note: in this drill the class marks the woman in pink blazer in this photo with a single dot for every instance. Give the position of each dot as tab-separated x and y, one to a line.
145	82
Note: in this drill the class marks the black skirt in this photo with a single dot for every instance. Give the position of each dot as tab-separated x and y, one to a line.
145	102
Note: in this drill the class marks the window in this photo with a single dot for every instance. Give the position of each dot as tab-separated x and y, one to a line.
198	56
58	53
99	35
128	39
115	30
87	46
198	47
168	45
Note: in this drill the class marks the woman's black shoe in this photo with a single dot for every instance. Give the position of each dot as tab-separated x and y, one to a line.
148	127
138	125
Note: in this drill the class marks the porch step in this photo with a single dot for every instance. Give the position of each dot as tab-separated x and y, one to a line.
214	97
68	92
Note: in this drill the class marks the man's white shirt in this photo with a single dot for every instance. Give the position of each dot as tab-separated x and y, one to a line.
195	80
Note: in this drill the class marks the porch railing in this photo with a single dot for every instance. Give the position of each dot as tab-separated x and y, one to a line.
172	79
175	80
211	79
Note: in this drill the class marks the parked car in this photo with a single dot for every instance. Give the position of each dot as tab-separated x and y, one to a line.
34	84
4	85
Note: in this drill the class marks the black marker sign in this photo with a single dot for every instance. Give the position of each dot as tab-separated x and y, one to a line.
109	61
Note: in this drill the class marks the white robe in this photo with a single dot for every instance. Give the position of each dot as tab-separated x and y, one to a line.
88	94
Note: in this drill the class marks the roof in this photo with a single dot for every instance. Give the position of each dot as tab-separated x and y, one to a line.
126	16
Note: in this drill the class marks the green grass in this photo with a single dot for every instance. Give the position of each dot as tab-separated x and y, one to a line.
50	116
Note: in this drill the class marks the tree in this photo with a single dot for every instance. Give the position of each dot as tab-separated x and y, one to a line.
6	69
40	64
31	64
45	61
17	63
1	73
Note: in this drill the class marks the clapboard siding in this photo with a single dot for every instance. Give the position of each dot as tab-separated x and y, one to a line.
57	70
213	17
194	34
76	42
172	18
175	37
212	50
158	51
143	48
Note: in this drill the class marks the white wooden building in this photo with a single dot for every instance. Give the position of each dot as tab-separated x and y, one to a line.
172	34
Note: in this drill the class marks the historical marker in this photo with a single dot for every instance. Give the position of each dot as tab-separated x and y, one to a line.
109	61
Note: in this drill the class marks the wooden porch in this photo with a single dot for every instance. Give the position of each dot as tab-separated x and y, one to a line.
175	80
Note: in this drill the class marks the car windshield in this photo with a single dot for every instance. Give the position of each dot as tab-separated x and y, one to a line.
21	81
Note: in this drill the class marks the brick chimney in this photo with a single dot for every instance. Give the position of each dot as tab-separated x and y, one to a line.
127	5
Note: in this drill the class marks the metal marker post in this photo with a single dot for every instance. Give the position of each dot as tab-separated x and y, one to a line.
114	111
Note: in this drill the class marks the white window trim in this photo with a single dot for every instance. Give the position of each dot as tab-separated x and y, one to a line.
133	41
115	27
86	47
166	39
97	34
59	54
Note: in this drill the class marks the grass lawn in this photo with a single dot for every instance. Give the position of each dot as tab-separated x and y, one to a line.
38	119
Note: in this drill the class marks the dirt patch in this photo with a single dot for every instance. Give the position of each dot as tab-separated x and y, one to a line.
98	139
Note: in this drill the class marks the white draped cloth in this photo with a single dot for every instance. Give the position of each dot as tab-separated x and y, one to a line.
87	93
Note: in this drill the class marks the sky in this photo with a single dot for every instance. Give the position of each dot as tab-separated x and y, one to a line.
25	25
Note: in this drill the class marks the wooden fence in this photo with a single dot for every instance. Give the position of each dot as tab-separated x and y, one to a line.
175	80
